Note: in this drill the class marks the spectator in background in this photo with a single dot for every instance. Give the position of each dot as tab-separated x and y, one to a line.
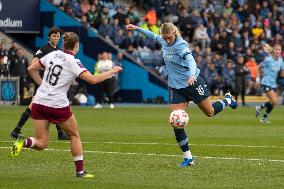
118	38
216	44
105	13
69	11
228	77
231	52
115	27
94	16
171	8
212	79
12	52
134	17
264	11
245	39
224	40
105	64
211	29
218	62
3	52
76	9
18	68
257	30
184	22
227	11
151	16
267	28
276	27
3	63
118	61
84	21
105	29
236	38
85	6
254	74
241	79
120	15
201	36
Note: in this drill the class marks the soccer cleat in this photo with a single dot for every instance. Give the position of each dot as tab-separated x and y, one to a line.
186	162
15	133
63	136
234	103
18	145
257	111
84	175
264	120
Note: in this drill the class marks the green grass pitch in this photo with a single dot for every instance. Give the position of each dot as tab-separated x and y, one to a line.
134	147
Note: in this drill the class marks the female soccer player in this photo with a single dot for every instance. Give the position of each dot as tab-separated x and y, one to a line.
184	80
50	104
270	68
53	39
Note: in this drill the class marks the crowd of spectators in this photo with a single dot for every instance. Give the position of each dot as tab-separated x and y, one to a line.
223	34
13	62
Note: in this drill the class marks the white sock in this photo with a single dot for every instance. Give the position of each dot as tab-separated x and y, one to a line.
229	101
77	158
187	154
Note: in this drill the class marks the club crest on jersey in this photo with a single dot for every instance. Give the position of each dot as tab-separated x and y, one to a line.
80	65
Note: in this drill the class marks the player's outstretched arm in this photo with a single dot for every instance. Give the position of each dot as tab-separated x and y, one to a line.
147	33
87	76
33	69
131	27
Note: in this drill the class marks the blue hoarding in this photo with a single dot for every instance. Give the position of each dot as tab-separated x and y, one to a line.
20	16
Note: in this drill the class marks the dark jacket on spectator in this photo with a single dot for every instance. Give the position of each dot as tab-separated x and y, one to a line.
19	66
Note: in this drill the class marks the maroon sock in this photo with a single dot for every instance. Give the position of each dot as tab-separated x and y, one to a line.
79	163
79	166
29	142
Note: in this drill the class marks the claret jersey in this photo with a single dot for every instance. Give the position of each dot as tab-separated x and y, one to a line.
60	69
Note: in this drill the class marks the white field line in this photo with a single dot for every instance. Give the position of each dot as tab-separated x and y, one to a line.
163	144
163	155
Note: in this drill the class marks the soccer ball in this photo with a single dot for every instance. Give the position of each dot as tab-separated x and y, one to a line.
178	119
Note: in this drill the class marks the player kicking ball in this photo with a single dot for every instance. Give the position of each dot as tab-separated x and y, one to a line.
51	105
184	81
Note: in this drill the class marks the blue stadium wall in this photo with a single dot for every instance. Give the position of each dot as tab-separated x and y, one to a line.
136	85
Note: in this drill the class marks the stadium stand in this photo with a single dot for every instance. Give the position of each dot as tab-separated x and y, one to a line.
218	31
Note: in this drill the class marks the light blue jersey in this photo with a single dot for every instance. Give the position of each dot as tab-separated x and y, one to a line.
270	68
179	61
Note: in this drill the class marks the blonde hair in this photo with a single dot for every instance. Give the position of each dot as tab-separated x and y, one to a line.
169	28
267	48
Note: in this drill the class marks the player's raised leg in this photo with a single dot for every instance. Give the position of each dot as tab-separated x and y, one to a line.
70	127
39	142
211	110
